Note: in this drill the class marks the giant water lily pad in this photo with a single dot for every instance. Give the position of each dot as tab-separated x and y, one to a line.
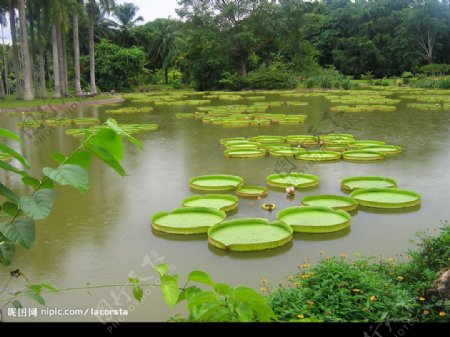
386	149
269	139
364	143
332	201
302	140
225	141
251	234
216	182
242	145
314	219
354	183
244	153
251	191
386	198
223	202
298	180
285	151
318	156
189	220
363	155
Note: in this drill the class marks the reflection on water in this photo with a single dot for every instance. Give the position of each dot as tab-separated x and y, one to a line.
104	235
374	210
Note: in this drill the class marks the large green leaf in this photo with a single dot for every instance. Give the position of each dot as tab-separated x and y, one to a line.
200	298
113	125
106	157
14	154
58	157
81	158
9	167
244	312
36	296
39	205
201	277
22	231
110	141
10	208
170	290
6	192
8	134
162	268
72	175
7	250
30	181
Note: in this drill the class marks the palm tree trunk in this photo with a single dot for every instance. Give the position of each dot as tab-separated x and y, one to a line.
91	19
56	74
12	24
42	50
33	49
64	62
28	84
60	60
2	87
76	54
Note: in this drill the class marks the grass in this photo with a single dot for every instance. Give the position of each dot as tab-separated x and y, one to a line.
10	101
364	290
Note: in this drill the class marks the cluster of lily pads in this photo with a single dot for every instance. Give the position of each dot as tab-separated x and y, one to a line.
128	128
58	121
130	110
318	214
324	148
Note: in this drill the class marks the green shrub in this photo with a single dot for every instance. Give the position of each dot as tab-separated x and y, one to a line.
329	78
275	76
232	82
431	83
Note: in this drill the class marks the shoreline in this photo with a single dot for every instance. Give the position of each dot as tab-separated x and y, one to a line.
50	107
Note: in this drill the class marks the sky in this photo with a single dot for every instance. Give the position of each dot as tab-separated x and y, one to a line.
148	9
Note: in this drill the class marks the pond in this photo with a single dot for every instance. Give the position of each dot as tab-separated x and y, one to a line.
104	235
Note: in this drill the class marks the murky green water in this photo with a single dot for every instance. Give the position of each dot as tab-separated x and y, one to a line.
103	236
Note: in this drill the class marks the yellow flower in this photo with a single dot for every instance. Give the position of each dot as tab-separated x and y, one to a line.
264	281
421	298
442	314
310	302
290	278
356	290
400	278
343	255
322	252
300	316
373	298
297	284
263	290
426	312
391	260
306	265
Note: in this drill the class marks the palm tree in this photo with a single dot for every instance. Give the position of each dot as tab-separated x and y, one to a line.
126	15
107	6
2	23
164	41
28	82
42	47
15	48
76	48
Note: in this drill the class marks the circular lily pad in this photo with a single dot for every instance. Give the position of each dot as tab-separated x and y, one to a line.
354	183
245	153
189	220
242	145
314	219
299	180
331	201
364	143
269	139
216	182
251	191
285	151
363	155
250	234
386	149
386	198
302	140
319	156
225	141
223	202
334	147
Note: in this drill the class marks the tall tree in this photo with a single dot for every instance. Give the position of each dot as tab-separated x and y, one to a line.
56	71
2	23
163	43
76	48
28	81
107	6
42	48
126	15
15	48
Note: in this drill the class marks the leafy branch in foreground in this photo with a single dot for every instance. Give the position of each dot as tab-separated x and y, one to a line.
220	304
19	213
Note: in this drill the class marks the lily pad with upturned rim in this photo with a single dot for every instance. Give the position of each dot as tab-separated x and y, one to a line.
269	139
223	202
364	143
286	151
245	153
216	182
251	191
318	156
314	219
386	198
298	180
251	234
386	149
188	220
363	155
332	201
354	183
